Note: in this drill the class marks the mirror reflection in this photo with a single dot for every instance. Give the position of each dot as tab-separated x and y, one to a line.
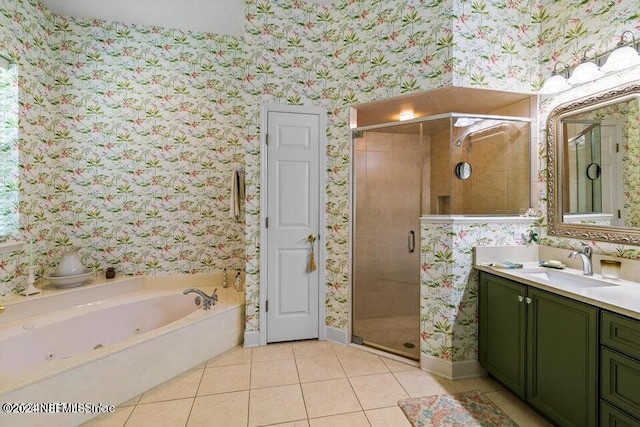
598	171
593	175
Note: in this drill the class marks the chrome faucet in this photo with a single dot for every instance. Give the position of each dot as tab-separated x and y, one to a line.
587	268
207	301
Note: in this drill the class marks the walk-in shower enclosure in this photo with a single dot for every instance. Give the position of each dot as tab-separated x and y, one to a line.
450	164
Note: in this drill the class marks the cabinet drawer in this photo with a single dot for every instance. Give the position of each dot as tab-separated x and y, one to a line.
620	381
621	333
611	416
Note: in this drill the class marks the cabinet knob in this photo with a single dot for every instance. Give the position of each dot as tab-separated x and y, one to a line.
528	300
520	298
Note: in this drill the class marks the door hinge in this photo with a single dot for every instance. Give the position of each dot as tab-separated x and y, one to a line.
266	139
617	148
266	222
266	305
619	214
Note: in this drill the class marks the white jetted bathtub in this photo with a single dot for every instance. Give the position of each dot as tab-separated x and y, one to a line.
106	343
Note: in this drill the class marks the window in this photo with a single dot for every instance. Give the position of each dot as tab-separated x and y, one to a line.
9	166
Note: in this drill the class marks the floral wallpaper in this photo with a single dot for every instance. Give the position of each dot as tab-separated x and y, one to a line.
449	285
129	134
496	43
148	135
133	158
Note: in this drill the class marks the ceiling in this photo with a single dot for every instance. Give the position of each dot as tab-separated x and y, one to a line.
212	16
439	101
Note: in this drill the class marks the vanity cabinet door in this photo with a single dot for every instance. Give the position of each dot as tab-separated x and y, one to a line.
562	359
502	331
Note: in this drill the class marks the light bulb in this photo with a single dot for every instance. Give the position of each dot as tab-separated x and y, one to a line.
621	58
585	72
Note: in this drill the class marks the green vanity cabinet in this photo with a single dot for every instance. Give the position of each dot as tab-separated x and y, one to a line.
620	370
562	358
542	346
502	323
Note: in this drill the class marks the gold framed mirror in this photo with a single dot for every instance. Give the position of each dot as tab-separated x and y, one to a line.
593	183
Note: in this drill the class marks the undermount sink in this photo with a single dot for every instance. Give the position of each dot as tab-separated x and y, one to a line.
567	280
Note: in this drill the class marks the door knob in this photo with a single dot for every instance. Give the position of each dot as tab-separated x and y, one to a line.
312	238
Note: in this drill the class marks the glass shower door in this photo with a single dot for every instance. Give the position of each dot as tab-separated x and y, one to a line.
386	261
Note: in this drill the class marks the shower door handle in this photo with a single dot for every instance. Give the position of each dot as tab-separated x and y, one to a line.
411	241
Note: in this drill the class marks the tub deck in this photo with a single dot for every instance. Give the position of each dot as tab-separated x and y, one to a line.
112	374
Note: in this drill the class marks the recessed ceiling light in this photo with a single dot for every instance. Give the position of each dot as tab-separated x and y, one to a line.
406	115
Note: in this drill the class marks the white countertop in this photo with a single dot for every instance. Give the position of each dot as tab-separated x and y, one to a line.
624	298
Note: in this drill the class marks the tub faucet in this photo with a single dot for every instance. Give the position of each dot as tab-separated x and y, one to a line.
587	268
207	301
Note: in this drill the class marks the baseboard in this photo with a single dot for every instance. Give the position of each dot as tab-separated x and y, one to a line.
467	369
251	339
451	370
337	335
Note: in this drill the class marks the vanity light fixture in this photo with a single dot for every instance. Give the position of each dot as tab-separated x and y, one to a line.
557	82
625	56
587	70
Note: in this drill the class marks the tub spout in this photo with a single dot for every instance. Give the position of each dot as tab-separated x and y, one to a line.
207	301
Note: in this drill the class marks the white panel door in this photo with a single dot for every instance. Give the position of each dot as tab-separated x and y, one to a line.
293	143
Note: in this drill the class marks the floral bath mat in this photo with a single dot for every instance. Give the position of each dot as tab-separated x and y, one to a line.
468	409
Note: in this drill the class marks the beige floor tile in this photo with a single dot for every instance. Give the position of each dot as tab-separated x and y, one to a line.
116	418
343	350
274	372
484	384
272	352
180	387
131	402
519	412
355	419
319	368
378	391
224	379
329	398
313	348
161	414
235	356
220	410
301	423
419	383
395	366
276	405
362	363
387	417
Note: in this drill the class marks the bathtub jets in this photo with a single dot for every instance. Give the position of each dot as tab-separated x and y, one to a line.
208	300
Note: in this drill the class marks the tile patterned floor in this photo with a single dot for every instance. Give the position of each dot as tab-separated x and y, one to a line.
307	383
